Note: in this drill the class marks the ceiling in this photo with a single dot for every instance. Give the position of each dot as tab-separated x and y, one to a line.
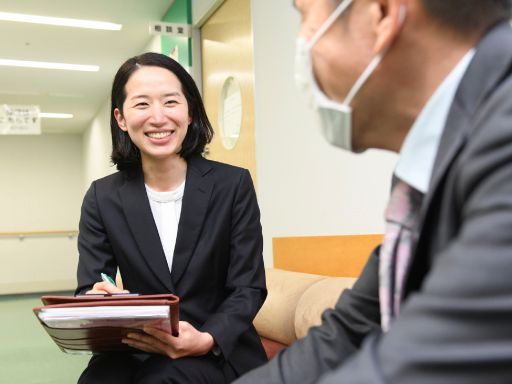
79	93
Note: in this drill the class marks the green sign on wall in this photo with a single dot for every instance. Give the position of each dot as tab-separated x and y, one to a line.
179	48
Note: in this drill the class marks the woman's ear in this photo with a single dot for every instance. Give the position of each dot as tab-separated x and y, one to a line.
391	17
120	119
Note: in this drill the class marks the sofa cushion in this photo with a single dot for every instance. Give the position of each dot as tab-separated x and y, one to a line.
272	347
316	298
276	319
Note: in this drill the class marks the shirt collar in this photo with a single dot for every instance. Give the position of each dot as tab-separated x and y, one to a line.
167	196
419	149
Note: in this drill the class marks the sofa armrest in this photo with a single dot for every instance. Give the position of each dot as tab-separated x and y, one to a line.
316	299
276	319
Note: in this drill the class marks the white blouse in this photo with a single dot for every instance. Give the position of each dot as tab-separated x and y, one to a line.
166	209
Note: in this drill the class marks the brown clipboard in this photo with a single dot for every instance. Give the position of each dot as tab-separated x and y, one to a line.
104	338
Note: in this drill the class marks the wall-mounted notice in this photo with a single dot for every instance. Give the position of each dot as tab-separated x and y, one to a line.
20	120
170	29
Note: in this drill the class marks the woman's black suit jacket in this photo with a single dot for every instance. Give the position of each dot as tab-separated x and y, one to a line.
217	268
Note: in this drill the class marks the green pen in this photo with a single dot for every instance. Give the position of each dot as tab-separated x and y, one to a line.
107	278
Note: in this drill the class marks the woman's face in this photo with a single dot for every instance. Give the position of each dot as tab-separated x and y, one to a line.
155	113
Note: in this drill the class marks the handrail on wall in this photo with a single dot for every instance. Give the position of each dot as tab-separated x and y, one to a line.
26	234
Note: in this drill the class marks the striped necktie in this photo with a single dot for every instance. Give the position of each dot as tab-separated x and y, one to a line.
402	216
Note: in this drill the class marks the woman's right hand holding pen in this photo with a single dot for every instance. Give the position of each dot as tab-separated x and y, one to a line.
105	287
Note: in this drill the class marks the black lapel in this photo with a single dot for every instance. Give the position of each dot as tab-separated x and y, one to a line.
138	214
198	188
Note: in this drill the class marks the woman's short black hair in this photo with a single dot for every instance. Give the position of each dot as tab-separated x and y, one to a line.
125	155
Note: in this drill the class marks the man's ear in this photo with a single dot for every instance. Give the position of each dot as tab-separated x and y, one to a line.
120	119
392	15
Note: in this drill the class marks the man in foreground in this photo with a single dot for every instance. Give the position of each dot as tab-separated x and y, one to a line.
432	80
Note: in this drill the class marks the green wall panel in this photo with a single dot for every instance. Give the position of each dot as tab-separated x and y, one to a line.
180	12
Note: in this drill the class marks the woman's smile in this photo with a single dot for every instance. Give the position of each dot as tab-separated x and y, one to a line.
159	134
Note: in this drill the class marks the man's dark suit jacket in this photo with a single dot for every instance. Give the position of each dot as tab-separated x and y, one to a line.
455	324
217	268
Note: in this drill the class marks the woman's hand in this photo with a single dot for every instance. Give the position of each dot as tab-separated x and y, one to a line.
104	287
190	342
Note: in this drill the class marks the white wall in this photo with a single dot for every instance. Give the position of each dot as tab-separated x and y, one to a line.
43	181
202	9
305	186
97	147
41	190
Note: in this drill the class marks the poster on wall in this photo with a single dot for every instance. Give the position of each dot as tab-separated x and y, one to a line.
20	120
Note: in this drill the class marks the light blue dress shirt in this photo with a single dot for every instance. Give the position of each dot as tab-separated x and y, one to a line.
420	146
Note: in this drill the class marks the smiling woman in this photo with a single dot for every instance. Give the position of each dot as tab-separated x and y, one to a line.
153	90
155	115
172	221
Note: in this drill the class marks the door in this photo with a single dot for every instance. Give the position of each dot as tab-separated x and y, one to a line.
228	84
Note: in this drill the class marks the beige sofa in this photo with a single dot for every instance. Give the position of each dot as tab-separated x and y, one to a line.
295	303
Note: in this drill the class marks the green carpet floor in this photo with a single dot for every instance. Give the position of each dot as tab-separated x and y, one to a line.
27	354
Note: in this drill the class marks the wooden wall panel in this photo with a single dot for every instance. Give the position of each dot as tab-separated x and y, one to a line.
324	255
226	49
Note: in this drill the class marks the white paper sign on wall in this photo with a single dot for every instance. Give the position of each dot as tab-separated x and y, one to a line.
20	120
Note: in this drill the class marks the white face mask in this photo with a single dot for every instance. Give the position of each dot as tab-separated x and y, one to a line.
335	118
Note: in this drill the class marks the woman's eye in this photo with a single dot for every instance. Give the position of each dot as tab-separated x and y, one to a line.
141	104
171	102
